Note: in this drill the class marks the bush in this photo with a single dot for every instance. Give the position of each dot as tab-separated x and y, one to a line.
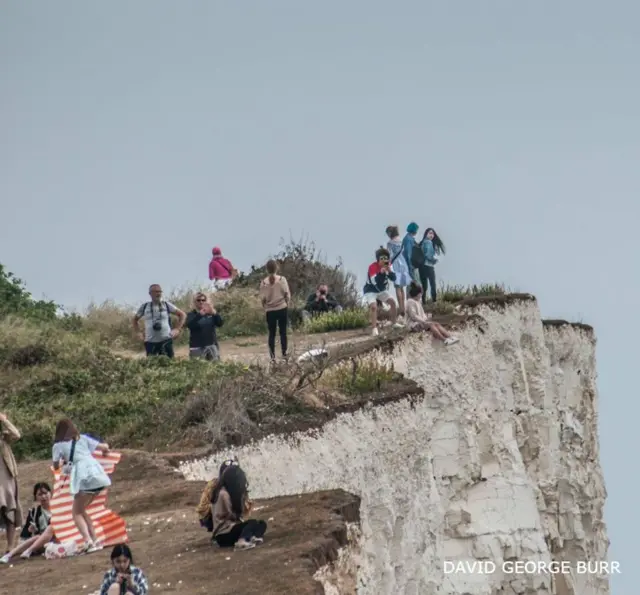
16	300
305	267
338	321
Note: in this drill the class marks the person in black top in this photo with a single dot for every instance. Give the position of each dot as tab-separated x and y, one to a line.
202	322
320	302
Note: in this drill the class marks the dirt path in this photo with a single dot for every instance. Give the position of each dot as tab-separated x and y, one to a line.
177	555
254	349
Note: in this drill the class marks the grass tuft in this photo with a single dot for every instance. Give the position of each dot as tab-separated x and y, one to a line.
338	321
455	293
359	377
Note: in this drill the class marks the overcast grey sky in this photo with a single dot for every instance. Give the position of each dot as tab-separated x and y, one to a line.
136	135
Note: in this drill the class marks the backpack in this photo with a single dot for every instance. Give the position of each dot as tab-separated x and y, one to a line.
144	309
417	256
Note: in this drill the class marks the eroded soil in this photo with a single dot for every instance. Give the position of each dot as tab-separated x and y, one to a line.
304	533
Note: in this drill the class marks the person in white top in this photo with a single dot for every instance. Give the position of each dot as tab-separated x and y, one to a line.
87	476
418	321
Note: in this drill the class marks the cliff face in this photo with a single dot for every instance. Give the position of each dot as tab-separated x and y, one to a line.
499	461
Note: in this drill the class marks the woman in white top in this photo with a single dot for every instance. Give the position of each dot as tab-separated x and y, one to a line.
87	476
418	320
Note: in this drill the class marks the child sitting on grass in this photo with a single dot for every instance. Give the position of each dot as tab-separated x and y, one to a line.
418	320
37	531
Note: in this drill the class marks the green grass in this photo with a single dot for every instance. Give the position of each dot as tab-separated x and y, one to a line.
46	374
359	377
338	321
455	293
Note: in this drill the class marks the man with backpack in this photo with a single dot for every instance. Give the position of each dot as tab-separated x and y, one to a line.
158	335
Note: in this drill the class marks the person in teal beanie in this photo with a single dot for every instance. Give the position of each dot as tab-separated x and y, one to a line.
408	244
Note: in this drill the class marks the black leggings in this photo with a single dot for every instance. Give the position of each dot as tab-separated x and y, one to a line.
245	530
277	319
428	277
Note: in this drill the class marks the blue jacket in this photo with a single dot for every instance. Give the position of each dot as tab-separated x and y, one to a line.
430	258
408	242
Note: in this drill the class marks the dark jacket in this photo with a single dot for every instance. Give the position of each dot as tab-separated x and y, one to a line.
314	305
202	329
377	281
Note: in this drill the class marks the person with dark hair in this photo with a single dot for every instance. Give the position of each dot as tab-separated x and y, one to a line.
275	296
230	502
401	267
204	507
10	509
123	578
88	478
377	289
37	530
320	302
412	251
202	322
419	321
432	247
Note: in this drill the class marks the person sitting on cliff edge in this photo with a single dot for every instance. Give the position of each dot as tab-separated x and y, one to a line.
419	321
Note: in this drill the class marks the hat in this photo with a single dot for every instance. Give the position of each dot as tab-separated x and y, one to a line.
216	251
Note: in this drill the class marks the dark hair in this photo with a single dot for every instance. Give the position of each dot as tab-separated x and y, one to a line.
438	246
235	482
392	231
121	549
41	485
272	267
382	252
414	289
65	430
218	485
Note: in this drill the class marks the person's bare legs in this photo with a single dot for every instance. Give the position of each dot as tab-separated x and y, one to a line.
394	310
400	296
373	313
22	547
438	331
38	542
80	517
87	518
11	535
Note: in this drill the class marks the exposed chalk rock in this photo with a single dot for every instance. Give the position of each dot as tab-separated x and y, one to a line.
498	462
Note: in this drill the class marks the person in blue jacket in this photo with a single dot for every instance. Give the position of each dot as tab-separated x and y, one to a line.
408	245
432	247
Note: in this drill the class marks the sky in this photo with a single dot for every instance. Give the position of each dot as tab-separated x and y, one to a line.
136	136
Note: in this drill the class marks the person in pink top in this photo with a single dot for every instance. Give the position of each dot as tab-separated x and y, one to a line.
221	271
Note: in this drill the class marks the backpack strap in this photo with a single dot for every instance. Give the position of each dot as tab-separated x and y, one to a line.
73	450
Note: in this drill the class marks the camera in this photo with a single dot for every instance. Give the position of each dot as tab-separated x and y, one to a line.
157	326
323	292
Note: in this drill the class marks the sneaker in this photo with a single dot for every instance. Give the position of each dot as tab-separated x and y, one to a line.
95	547
398	325
257	540
25	555
241	544
451	341
5	559
375	332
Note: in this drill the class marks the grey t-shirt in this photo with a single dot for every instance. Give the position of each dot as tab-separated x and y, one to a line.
152	313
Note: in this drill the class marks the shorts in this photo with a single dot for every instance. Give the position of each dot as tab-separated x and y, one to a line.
372	298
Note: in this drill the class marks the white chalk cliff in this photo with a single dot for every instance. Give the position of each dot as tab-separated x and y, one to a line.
498	461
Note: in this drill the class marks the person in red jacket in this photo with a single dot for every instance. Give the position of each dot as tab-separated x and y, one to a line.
221	271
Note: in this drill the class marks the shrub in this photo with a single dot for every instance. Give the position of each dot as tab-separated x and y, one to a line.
305	267
338	321
358	376
16	300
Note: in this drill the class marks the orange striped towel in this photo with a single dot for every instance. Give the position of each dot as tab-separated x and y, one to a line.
109	527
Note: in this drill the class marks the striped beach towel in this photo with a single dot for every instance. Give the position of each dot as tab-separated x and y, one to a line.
109	527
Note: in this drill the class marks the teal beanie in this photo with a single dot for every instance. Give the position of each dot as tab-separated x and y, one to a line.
412	227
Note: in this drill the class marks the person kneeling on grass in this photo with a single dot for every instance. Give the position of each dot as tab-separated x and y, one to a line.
124	577
230	502
320	302
418	320
37	531
377	289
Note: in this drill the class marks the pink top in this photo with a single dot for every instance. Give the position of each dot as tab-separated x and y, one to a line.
220	268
